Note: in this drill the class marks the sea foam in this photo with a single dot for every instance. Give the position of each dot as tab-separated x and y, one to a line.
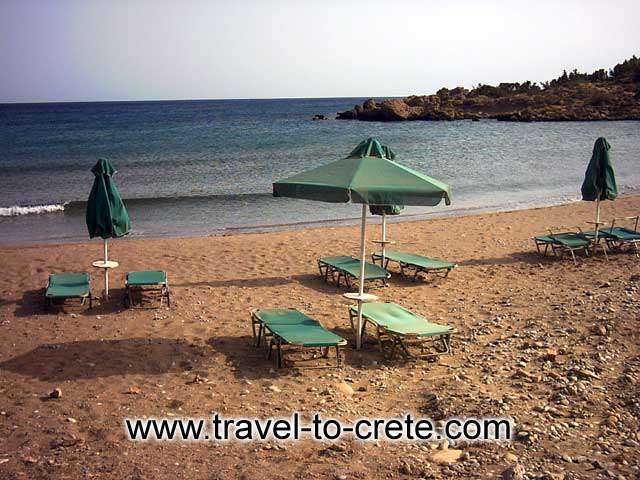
17	210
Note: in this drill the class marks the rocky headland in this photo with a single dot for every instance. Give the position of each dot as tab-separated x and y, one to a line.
574	96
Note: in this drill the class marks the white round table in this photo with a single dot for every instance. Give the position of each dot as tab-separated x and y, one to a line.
365	297
105	266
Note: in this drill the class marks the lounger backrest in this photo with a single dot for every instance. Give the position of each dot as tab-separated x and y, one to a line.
68	279
339	261
414	259
635	218
283	316
395	318
351	266
296	328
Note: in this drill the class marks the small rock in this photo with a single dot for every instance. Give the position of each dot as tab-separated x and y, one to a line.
134	390
274	389
405	469
344	388
600	330
449	455
198	379
510	457
515	472
55	393
63	442
72	420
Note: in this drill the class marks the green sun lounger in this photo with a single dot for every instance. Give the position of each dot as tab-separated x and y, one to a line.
618	237
413	262
564	242
145	283
64	286
399	328
287	326
348	268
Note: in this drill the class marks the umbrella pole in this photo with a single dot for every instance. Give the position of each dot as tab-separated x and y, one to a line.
361	286
384	237
595	242
106	270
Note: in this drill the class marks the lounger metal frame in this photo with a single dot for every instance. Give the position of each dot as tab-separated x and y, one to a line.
562	249
410	266
264	335
327	270
617	243
159	290
400	343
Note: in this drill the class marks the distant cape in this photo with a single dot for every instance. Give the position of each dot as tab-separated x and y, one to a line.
574	96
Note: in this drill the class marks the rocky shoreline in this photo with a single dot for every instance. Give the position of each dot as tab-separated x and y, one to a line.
601	95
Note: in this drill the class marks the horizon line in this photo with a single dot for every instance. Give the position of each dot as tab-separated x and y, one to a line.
43	102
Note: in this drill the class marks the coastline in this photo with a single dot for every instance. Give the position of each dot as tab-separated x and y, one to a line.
372	220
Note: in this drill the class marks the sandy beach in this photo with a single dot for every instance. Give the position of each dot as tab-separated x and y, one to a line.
552	344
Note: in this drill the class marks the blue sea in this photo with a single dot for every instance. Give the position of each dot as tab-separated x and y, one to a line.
205	167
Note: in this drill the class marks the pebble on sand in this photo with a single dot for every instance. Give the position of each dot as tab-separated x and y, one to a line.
55	393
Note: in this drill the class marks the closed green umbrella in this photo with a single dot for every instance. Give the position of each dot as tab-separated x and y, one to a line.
368	180
600	179
106	215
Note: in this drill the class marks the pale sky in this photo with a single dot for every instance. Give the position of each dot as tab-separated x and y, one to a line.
86	50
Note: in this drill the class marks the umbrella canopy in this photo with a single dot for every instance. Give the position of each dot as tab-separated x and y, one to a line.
368	180
106	216
371	147
385	209
600	179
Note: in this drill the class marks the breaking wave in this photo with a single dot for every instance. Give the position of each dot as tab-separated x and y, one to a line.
18	210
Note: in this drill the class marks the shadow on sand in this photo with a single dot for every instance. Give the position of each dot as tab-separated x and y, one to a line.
95	358
532	258
251	362
32	304
314	282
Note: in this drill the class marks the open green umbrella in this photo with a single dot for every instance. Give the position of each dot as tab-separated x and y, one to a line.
369	181
600	179
106	214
